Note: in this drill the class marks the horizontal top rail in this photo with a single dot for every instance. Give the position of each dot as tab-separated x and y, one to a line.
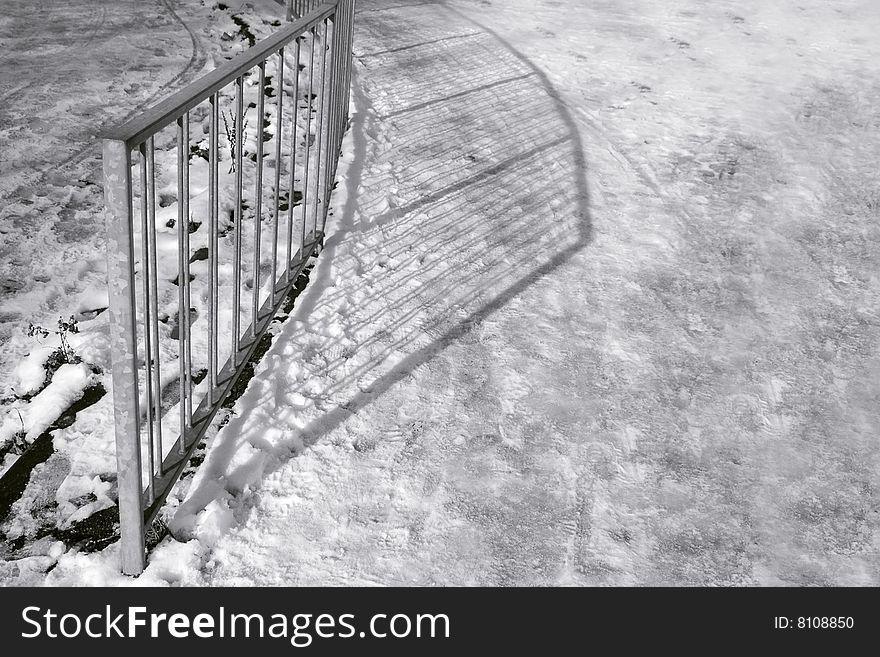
139	129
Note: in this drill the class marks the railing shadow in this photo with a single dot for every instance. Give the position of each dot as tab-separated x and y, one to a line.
492	198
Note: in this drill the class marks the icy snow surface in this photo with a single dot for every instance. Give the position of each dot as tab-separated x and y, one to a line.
599	305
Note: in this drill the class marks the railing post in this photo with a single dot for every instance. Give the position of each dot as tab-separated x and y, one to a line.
123	351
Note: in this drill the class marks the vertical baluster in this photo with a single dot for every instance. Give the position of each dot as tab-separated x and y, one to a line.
305	192
319	131
293	131
340	111
187	303
346	61
332	150
237	220
279	115
213	246
258	199
182	277
183	319
154	301
148	334
344	57
330	162
349	20
340	73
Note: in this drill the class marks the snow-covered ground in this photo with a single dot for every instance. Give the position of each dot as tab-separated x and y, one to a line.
600	305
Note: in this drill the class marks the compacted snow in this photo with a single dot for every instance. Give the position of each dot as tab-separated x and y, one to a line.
599	305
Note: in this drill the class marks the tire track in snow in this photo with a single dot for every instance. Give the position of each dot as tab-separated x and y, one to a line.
197	60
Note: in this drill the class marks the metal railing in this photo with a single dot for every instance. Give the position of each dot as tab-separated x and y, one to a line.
184	280
298	8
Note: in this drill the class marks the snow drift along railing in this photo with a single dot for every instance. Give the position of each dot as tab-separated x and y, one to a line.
177	311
